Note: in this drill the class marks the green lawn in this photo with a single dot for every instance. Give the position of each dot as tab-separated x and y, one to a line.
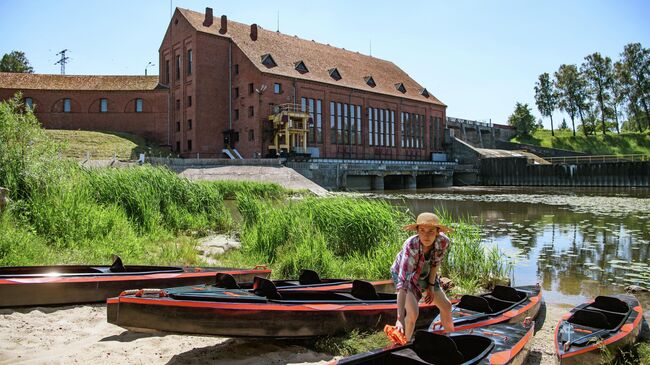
610	144
104	145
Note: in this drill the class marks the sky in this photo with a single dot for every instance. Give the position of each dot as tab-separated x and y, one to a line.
478	57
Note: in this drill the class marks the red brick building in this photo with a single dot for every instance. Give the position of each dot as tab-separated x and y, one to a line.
219	81
133	104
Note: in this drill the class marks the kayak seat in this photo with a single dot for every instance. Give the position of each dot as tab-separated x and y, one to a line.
610	304
474	303
589	318
507	293
308	277
497	305
117	265
226	281
436	348
265	288
364	290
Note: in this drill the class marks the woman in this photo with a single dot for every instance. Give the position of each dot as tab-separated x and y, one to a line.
416	269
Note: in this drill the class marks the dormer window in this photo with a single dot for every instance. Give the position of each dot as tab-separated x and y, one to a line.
334	73
400	87
268	61
370	81
301	67
424	92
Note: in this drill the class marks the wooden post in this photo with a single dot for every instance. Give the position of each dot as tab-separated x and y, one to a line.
4	198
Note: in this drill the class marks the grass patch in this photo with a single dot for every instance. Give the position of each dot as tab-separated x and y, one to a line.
104	145
599	144
349	344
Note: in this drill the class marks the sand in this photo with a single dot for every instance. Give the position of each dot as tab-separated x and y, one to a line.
81	335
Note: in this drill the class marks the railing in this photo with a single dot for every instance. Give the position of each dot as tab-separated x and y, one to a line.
288	107
597	158
467	122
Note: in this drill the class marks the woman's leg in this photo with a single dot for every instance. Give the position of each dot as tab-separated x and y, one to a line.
412	313
441	301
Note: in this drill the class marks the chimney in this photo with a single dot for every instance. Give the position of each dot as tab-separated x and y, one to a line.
254	32
224	25
208	17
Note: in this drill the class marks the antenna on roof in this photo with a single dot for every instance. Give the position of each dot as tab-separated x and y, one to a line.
62	61
278	21
371	48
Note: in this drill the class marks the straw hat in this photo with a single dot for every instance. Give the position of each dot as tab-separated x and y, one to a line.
429	220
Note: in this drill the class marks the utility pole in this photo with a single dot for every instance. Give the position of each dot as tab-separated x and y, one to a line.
64	59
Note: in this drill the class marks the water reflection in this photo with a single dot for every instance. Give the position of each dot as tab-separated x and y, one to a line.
576	245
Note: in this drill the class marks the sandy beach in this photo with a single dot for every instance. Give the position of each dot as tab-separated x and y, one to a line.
81	335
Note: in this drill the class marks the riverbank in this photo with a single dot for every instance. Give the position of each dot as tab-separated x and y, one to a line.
81	335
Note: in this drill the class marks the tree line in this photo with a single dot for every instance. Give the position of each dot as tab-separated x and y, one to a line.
599	92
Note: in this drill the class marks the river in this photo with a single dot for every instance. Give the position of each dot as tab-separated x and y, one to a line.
577	243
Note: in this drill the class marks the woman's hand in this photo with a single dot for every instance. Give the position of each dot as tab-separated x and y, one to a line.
399	326
428	297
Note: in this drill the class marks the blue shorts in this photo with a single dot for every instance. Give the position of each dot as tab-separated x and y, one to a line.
436	284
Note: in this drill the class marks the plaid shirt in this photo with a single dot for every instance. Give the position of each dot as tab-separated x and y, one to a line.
410	261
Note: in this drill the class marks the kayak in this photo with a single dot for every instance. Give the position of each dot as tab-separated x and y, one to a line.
503	344
264	311
504	304
591	330
70	284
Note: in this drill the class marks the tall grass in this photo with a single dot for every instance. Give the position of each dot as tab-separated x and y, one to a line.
351	237
61	212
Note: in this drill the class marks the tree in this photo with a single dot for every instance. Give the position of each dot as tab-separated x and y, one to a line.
15	62
566	83
564	125
522	119
599	74
636	65
545	97
618	92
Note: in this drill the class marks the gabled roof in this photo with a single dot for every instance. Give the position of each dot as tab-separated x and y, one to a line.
352	66
25	81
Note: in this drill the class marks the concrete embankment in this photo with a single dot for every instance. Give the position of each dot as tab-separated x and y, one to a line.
283	176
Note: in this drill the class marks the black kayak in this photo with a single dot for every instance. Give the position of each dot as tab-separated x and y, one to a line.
503	304
71	284
601	326
498	344
263	311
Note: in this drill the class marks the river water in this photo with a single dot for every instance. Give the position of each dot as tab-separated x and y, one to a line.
576	243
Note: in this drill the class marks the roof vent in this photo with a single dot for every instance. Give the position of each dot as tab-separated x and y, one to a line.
208	17
224	25
268	61
370	81
334	73
301	67
424	92
254	32
400	87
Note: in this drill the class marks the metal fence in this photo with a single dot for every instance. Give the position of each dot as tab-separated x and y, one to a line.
597	158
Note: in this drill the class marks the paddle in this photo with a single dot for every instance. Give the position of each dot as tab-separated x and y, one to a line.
582	340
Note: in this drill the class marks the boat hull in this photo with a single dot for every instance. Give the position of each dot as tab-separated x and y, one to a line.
241	313
63	290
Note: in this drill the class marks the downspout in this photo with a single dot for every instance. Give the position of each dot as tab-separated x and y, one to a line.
230	84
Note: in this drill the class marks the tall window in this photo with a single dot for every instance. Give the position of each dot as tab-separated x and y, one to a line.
381	127
29	103
413	131
189	124
277	88
251	134
345	123
178	67
251	111
189	145
251	88
167	71
314	107
189	101
189	61
236	92
66	105
138	105
236	69
236	116
103	105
